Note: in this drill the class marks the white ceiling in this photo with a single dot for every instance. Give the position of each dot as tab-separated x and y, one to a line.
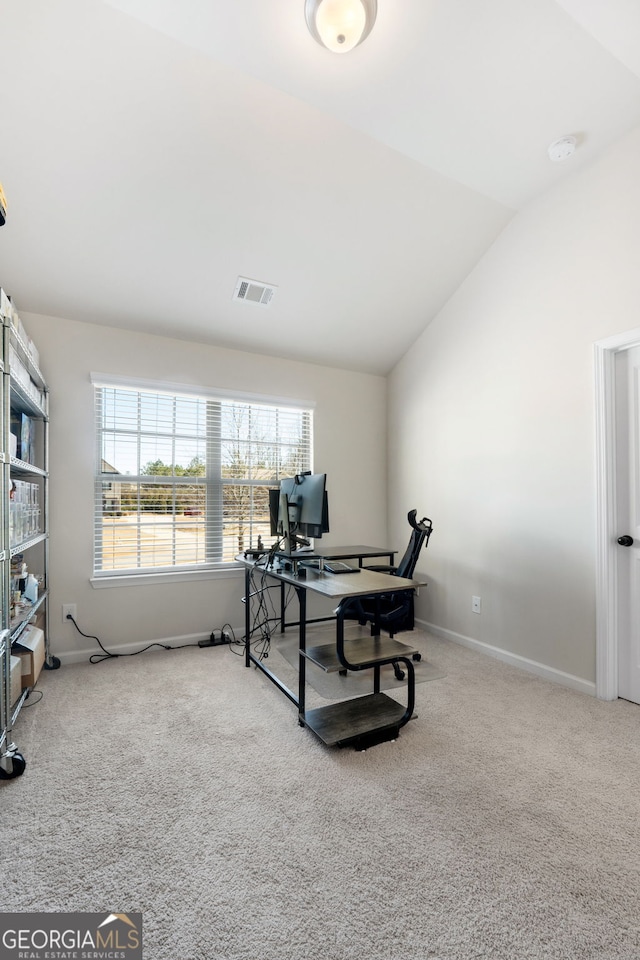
152	151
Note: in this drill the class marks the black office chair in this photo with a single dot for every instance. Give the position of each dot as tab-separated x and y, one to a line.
395	610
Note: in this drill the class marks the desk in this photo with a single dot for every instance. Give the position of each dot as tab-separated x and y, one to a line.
363	720
357	552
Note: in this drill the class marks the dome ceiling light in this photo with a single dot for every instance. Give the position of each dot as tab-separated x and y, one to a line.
340	25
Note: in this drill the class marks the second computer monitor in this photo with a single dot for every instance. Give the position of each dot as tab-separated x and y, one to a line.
307	513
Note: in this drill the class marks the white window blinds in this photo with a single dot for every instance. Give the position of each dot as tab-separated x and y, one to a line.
182	480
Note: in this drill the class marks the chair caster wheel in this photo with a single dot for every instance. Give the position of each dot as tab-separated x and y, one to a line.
417	657
13	766
398	672
342	673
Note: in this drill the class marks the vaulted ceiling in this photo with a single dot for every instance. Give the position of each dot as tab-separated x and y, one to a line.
153	151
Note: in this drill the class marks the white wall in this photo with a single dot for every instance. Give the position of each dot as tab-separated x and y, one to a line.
350	420
491	421
490	433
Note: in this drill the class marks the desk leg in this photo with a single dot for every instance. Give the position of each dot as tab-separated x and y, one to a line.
247	616
302	667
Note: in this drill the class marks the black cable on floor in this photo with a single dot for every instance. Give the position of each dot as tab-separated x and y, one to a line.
107	655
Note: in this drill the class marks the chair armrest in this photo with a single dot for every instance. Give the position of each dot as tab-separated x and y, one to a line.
382	568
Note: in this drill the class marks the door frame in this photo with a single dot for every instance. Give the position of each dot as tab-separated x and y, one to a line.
607	620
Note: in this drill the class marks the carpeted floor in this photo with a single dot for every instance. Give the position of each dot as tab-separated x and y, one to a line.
504	823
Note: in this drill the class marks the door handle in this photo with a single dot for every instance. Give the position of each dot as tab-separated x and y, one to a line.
625	541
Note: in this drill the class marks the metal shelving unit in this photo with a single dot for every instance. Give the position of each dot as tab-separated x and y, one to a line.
24	526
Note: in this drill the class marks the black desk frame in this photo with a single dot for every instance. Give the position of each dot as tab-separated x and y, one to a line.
358	552
361	721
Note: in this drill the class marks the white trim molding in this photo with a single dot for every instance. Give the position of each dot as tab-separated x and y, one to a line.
175	577
606	511
578	684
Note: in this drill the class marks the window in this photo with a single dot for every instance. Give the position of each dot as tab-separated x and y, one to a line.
182	479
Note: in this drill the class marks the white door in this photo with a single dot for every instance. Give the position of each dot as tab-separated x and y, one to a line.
628	514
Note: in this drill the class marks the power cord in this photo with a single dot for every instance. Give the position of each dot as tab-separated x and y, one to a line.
265	618
229	638
28	701
107	655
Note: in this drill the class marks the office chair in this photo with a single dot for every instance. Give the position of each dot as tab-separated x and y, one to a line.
395	610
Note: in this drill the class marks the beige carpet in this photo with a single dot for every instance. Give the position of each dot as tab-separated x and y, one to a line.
504	823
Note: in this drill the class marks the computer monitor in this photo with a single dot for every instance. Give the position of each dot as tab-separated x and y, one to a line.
299	509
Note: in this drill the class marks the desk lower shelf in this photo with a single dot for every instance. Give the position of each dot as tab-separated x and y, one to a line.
361	651
370	719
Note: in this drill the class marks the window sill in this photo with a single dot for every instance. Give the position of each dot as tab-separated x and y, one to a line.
228	572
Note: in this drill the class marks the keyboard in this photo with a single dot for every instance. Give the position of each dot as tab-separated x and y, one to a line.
330	566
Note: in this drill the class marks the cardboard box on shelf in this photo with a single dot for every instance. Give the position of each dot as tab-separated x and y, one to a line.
16	678
30	648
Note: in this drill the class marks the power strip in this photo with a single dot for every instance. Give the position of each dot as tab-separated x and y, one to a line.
216	641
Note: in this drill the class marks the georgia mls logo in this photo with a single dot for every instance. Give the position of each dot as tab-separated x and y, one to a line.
70	936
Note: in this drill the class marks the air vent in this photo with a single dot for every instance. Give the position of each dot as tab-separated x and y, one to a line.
253	291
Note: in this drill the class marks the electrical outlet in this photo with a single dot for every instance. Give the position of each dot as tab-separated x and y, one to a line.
476	604
68	610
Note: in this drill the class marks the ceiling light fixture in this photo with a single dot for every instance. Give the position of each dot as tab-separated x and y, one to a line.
562	149
340	25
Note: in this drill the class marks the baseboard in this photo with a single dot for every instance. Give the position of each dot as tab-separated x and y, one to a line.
513	659
81	656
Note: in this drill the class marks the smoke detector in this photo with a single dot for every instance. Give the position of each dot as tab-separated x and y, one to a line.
254	291
562	149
